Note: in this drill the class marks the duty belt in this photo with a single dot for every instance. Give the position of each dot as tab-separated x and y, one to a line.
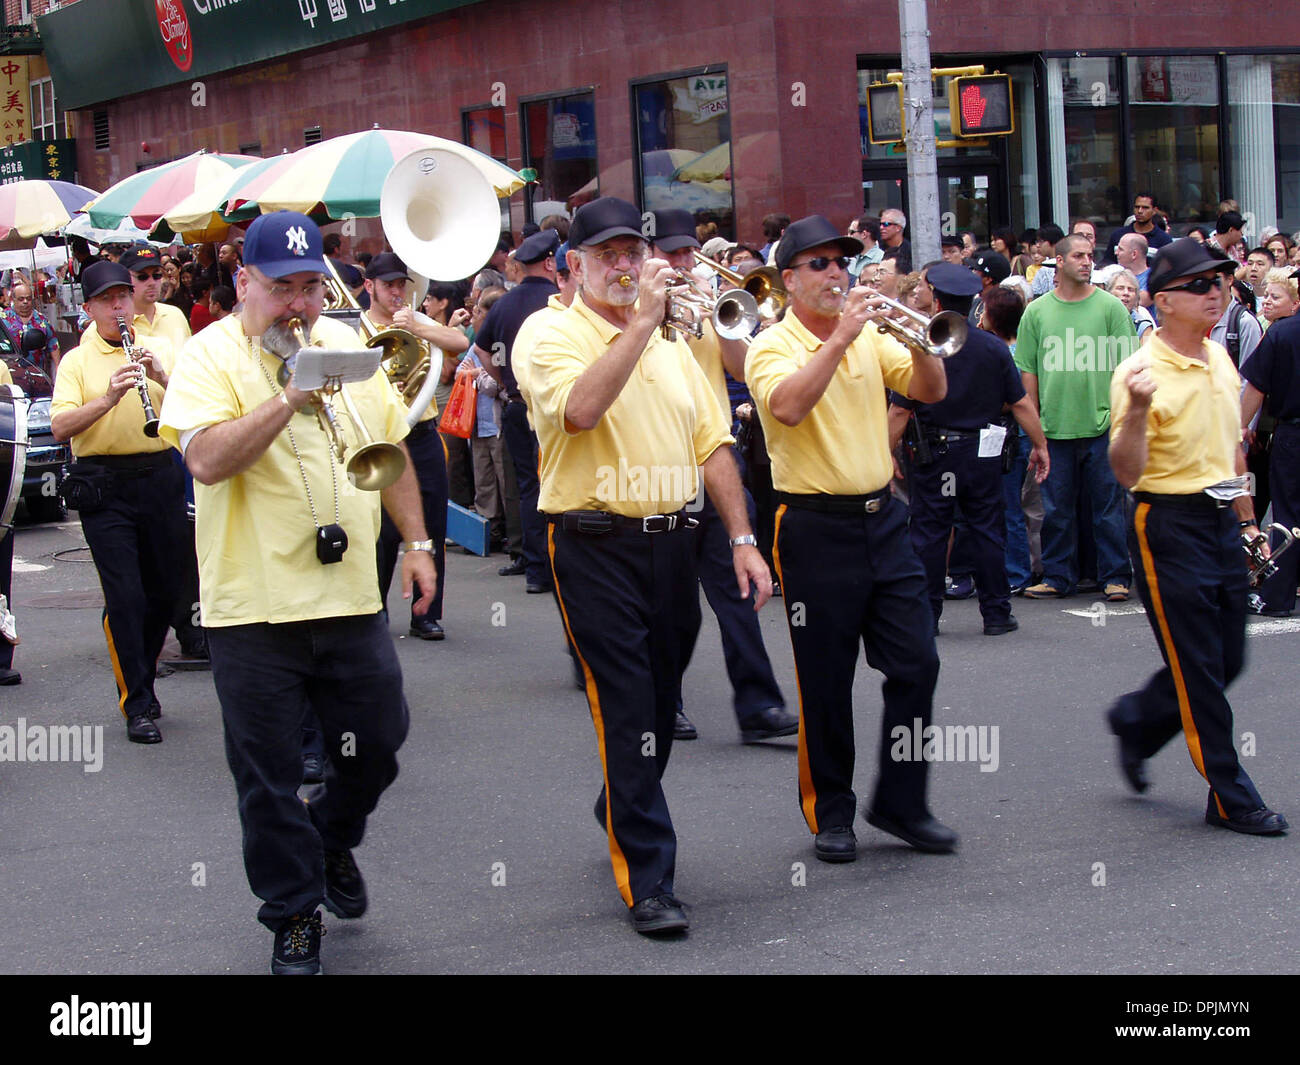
601	522
870	503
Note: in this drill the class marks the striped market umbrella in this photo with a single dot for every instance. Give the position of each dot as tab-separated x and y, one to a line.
30	208
145	197
343	177
198	218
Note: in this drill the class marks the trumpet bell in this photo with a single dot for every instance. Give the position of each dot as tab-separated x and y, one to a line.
735	315
946	334
440	214
375	466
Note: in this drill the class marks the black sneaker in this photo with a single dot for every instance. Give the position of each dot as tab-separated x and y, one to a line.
297	946
345	891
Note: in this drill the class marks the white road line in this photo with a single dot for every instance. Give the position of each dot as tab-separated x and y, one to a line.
1255	626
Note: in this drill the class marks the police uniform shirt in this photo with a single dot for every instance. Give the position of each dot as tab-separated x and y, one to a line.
84	376
1272	368
642	456
981	378
1194	424
842	446
435	366
505	319
707	350
525	340
256	538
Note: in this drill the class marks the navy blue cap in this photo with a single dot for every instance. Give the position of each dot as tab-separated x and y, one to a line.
386	267
675	230
811	232
562	257
604	219
953	280
283	243
537	247
1183	258
101	276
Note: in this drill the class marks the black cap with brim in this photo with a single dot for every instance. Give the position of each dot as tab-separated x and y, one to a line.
101	276
604	219
675	230
812	232
387	267
1184	257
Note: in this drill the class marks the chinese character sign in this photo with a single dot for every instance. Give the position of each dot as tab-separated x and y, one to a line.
15	100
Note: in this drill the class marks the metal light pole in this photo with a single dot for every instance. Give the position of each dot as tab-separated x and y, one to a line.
918	97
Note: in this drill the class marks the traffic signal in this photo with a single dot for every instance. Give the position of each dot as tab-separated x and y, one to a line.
885	122
981	106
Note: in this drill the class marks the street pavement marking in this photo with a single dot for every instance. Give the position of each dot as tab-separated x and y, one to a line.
1256	626
27	567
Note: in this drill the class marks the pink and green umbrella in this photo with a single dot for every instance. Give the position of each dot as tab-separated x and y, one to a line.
145	197
30	208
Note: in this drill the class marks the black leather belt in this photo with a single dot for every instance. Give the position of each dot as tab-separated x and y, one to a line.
601	522
1194	501
143	463
940	435
870	503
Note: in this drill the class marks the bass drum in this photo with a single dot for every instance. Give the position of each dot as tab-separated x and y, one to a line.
13	451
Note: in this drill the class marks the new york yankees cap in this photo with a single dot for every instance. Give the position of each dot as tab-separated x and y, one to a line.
284	243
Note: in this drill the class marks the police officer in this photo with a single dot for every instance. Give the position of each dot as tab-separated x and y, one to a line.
756	697
494	345
963	442
1175	440
1273	373
626	419
136	529
847	568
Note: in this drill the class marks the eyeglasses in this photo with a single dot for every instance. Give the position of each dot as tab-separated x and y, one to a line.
311	291
1198	286
146	276
884	224
822	263
612	256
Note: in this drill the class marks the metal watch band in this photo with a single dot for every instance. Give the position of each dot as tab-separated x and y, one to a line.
748	539
417	545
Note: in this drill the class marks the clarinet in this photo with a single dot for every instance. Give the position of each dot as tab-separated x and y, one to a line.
151	422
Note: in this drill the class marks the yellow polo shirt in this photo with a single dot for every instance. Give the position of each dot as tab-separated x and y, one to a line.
1194	422
84	376
708	353
168	322
256	537
842	446
526	339
431	411
642	457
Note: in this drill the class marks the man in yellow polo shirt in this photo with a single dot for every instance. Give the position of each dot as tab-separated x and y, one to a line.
842	552
152	318
627	425
136	528
1175	440
289	588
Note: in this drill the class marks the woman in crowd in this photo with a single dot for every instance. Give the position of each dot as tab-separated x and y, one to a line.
1281	296
1279	246
1004	242
1124	287
1025	259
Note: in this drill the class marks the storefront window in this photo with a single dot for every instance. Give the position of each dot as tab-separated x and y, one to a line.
1087	162
1264	139
1174	130
560	144
683	128
484	129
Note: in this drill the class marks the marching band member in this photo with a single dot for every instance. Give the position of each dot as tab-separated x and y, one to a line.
127	488
292	611
842	552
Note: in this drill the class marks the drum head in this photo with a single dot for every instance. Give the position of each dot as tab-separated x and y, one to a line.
13	451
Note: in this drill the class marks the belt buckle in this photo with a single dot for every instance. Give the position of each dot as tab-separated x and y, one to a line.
665	523
873	505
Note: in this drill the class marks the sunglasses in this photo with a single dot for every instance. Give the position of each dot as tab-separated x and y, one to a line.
1198	286
822	262
156	275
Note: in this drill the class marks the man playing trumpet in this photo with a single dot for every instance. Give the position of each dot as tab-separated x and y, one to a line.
289	588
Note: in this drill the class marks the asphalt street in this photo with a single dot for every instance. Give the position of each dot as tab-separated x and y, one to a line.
484	857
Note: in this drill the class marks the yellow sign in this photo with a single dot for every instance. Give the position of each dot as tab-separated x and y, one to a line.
15	100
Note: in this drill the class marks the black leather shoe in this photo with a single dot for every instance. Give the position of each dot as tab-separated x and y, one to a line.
10	676
837	844
141	729
515	569
1261	822
297	946
923	833
683	729
659	915
1131	764
1002	628
313	769
538	587
345	891
768	724
427	629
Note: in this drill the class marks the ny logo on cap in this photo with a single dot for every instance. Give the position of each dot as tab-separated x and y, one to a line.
297	240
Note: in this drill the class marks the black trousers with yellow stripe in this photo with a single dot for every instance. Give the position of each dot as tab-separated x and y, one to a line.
138	540
631	607
1191	576
845	578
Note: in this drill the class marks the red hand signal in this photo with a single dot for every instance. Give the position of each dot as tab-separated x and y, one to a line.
972	106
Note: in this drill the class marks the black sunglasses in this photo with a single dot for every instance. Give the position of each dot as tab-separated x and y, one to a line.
146	276
1198	286
822	262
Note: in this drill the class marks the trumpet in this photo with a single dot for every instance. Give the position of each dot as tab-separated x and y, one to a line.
373	466
764	284
129	349
1264	566
941	336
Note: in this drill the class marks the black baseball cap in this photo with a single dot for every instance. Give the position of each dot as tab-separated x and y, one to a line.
675	230
537	247
137	258
603	219
993	265
1183	258
387	267
101	276
811	232
952	280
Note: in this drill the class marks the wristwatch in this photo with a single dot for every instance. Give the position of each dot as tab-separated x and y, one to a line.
740	541
418	545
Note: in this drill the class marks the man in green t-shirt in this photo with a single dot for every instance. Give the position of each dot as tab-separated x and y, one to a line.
1070	341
